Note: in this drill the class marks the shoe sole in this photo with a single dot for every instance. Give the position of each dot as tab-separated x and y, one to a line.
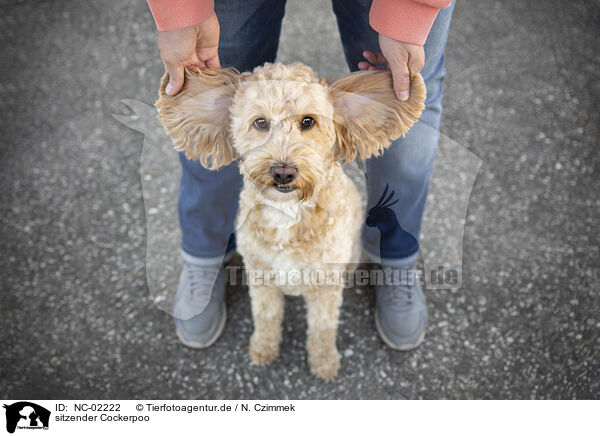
214	339
401	347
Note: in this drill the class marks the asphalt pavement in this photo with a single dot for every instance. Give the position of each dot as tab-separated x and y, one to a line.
82	273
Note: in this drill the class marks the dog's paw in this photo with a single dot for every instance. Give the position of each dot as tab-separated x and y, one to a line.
261	352
325	366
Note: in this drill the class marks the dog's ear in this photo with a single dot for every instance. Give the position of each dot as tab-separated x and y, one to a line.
198	116
368	115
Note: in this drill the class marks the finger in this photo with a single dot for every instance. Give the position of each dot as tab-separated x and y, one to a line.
401	77
416	62
196	66
213	62
374	58
175	71
194	59
370	56
365	66
209	56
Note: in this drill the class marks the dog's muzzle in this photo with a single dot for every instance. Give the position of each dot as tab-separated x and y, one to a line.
283	175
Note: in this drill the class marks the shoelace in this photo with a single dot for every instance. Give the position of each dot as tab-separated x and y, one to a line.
200	277
397	295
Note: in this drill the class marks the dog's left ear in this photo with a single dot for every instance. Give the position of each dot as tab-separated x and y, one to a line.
198	116
368	115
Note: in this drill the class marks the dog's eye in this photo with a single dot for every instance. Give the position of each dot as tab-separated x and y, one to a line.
261	124
307	123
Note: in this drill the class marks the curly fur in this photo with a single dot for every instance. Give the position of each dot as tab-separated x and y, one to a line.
316	226
197	118
367	116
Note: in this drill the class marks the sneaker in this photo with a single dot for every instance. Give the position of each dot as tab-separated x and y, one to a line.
401	315
199	309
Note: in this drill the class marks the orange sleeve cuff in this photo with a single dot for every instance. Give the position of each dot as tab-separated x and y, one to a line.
179	14
405	20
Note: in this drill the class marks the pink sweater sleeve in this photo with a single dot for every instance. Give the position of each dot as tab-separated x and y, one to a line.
405	20
179	14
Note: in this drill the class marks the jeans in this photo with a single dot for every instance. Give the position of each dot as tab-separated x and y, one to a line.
249	37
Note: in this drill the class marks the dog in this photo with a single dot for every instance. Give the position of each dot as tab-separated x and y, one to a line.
291	131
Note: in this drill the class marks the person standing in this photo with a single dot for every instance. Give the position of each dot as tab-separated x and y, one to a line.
404	36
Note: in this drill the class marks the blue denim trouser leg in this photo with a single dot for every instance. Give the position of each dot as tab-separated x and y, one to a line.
208	199
249	37
406	166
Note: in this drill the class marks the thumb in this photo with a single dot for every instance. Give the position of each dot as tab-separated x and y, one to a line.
401	76
175	71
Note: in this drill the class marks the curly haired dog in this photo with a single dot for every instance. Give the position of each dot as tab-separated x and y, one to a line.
298	210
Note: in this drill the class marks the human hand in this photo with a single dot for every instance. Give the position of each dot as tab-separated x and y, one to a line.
402	58
193	46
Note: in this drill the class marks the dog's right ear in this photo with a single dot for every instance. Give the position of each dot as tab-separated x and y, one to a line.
198	116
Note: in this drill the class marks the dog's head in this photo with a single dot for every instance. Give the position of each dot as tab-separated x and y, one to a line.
285	124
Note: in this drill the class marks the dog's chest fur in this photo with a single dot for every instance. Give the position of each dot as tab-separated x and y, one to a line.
320	234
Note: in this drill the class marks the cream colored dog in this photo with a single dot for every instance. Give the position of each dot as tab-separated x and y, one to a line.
298	210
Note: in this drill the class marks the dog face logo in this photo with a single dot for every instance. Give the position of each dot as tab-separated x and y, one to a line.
382	216
26	415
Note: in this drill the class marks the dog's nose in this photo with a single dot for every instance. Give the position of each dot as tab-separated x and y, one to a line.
283	174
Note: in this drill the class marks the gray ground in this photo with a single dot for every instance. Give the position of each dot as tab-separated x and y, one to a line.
76	317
